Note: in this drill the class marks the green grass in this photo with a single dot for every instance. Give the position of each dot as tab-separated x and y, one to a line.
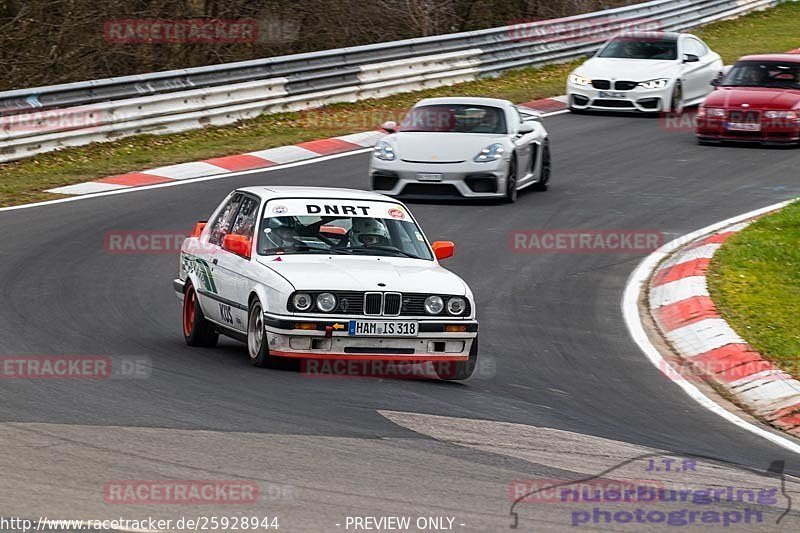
754	280
26	180
774	30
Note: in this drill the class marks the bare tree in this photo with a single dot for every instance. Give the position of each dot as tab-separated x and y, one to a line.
55	41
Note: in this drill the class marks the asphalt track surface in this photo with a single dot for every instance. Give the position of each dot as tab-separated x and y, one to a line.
555	347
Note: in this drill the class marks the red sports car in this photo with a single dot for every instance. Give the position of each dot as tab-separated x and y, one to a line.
758	100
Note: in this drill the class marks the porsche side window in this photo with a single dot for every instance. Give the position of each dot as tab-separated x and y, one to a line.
222	223
245	220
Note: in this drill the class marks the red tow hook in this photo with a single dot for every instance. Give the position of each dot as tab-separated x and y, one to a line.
329	331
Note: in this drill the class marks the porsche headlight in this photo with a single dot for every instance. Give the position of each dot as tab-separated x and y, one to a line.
302	301
580	81
456	306
493	152
654	84
434	305
383	150
326	302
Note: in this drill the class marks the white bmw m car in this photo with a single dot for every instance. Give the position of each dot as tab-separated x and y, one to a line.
645	72
318	273
462	147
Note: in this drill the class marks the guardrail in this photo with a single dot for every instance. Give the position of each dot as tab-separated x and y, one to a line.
47	118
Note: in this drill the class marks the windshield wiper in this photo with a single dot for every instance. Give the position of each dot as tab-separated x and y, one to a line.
390	249
306	249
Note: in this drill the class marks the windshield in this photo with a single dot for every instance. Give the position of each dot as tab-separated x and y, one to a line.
783	75
342	228
641	48
455	118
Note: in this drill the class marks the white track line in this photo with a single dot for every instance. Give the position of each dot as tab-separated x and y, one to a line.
630	311
177	183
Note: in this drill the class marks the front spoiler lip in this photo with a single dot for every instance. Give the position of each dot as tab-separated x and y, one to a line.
739	140
434	197
397	358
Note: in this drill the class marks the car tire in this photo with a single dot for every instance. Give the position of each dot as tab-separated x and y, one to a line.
676	101
197	331
257	345
511	180
458	370
544	171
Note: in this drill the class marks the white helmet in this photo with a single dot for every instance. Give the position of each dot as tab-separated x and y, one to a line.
368	232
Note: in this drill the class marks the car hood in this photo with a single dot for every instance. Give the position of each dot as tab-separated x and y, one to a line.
348	273
607	68
755	97
431	147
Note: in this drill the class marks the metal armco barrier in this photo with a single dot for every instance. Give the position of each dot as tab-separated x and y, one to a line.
48	118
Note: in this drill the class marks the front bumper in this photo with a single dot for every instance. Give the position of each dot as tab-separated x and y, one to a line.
331	340
712	129
637	99
466	179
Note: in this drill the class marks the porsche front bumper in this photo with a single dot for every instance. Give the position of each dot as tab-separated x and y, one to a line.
430	181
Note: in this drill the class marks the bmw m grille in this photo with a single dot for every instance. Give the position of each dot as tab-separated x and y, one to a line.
625	85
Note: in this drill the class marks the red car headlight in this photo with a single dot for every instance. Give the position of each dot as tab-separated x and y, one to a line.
711	112
789	115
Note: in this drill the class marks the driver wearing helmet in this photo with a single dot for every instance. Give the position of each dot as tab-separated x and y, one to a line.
281	232
368	232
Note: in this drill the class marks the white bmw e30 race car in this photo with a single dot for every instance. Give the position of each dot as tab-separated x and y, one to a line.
321	273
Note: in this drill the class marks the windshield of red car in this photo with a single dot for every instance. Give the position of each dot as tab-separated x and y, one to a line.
783	75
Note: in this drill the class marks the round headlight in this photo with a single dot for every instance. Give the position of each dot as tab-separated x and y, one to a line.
456	306
326	302
302	301
434	305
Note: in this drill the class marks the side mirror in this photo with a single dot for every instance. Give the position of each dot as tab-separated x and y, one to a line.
717	81
443	249
198	228
525	127
390	126
690	58
237	244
